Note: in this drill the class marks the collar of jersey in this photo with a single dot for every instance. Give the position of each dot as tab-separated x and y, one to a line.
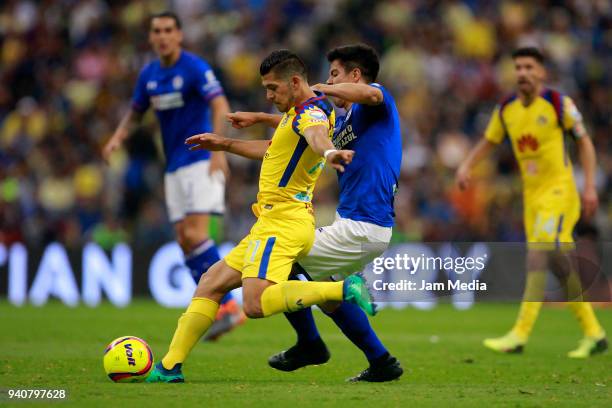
318	96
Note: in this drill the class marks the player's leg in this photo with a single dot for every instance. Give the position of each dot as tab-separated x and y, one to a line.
201	195
565	269
273	247
536	227
197	319
340	247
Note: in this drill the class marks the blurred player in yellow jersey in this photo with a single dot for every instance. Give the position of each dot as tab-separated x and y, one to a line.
537	121
284	231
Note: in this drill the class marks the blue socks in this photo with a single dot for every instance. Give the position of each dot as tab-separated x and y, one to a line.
350	319
356	327
304	325
203	256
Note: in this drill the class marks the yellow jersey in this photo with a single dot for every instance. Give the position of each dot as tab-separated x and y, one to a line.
290	167
538	134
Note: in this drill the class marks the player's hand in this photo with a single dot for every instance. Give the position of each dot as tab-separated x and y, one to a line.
240	120
340	158
463	177
318	87
218	162
590	202
207	141
113	144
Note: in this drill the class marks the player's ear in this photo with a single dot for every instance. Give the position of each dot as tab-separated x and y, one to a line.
356	74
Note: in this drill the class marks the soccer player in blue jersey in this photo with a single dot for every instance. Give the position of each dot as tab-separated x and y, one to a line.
365	216
187	99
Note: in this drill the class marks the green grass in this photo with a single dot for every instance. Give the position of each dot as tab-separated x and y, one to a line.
441	352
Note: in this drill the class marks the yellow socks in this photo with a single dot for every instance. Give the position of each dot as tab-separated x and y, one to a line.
526	319
290	296
198	317
586	317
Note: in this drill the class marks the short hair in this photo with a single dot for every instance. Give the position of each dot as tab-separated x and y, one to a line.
283	63
532	52
360	56
166	14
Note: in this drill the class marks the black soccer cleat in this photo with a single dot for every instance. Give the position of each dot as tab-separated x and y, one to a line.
300	356
387	370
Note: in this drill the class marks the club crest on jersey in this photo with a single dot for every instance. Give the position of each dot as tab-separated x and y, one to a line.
177	82
526	142
541	120
151	85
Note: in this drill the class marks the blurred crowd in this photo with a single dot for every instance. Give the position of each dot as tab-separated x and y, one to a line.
67	69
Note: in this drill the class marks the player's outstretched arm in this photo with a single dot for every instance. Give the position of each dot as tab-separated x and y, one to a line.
479	152
131	119
251	149
588	161
240	120
318	139
356	93
220	108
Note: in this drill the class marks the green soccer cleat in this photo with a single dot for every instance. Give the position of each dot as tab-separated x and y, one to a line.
356	291
163	375
589	346
510	343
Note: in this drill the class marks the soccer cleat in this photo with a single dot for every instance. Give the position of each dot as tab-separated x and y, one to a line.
163	375
510	343
300	356
356	291
229	317
388	370
589	346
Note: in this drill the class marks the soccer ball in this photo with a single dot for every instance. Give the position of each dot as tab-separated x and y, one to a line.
128	359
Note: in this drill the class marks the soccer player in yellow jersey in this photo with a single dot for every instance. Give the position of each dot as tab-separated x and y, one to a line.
537	121
284	231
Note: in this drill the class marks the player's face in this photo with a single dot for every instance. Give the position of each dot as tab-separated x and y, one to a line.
529	74
337	75
279	91
165	37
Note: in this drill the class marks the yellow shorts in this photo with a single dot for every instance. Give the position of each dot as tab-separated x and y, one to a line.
550	218
272	247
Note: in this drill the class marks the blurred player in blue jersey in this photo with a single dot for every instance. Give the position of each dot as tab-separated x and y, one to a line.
365	216
187	99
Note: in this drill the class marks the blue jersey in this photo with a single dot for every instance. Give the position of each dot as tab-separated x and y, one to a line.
180	95
369	183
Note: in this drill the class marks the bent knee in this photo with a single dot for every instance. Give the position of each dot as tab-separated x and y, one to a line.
252	308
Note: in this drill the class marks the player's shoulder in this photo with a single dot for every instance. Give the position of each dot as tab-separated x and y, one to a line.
507	100
319	103
194	60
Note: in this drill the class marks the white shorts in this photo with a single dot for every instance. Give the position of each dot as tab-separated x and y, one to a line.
192	190
343	248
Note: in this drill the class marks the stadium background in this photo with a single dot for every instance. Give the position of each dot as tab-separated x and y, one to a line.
67	70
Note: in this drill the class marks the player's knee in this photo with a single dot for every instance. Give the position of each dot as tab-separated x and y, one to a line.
252	307
190	237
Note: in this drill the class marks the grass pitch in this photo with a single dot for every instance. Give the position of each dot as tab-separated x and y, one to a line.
445	364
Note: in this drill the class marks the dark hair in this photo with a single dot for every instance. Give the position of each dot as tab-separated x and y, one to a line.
360	56
166	14
532	52
284	63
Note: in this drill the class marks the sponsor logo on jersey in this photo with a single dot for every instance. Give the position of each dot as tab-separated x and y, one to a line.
167	101
317	115
344	137
527	142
